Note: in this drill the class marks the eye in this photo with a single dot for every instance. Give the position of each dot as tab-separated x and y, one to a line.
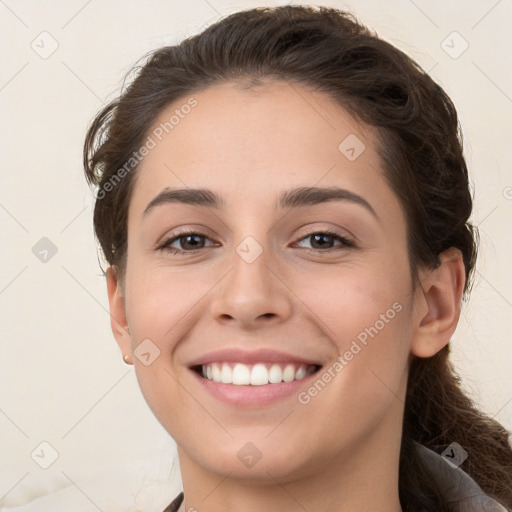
323	240
189	242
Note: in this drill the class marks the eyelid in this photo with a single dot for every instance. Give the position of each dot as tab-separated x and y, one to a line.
198	229
165	242
164	245
347	241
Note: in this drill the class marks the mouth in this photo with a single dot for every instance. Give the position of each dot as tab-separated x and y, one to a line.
252	379
258	374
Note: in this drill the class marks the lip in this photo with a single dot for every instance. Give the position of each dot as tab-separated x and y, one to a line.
253	396
236	355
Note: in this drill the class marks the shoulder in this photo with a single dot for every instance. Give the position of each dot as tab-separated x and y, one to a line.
456	485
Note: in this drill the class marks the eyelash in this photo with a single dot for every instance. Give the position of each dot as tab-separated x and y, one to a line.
165	245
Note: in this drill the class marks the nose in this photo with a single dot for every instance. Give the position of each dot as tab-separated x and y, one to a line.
252	294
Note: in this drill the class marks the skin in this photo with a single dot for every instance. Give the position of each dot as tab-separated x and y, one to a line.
340	451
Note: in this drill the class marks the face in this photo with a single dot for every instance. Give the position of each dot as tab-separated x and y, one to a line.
313	294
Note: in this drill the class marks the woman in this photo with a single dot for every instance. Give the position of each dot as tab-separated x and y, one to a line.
283	203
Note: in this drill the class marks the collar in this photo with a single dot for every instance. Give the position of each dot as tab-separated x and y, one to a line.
457	487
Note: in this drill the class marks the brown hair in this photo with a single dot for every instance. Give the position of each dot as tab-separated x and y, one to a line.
421	149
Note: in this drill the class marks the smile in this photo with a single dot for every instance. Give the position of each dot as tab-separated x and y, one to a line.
259	374
253	378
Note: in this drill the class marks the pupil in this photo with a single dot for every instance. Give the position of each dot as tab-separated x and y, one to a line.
320	236
191	237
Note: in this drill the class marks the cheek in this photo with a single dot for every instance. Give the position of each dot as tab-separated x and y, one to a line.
158	310
366	315
370	327
158	303
352	302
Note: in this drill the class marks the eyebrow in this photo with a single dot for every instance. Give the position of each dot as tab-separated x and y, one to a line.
295	198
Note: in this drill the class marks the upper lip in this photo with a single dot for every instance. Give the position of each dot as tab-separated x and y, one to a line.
237	355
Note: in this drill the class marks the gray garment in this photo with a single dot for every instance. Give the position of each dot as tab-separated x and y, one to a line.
458	488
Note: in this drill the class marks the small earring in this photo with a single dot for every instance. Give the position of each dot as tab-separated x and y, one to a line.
125	357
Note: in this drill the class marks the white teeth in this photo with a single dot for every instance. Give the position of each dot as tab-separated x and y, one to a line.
289	373
258	374
301	373
215	372
275	374
241	374
226	374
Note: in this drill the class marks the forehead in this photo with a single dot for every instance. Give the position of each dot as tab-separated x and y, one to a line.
257	142
277	119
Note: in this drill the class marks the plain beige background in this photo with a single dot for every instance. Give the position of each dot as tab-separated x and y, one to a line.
62	378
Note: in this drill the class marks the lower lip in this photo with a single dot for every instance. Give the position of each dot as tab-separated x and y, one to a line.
251	396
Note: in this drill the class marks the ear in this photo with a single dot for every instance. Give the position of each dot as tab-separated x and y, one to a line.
438	304
118	321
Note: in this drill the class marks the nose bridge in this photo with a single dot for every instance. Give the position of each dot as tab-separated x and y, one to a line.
251	292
